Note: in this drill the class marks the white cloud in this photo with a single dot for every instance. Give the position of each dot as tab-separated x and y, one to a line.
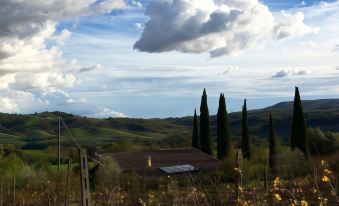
62	37
32	66
291	25
108	5
105	112
291	72
20	101
6	80
221	27
137	4
139	25
26	102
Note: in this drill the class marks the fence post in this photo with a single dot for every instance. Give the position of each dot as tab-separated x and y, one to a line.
1	189
337	181
239	167
265	180
314	176
67	182
85	191
14	200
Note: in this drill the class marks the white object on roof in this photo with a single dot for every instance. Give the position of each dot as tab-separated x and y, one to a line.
178	169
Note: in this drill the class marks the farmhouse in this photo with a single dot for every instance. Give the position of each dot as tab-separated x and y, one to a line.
166	162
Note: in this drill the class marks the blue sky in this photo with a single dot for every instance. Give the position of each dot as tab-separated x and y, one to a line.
91	68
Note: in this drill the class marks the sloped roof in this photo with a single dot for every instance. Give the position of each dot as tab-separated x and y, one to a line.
138	161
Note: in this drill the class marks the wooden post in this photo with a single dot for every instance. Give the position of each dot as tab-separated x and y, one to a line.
239	167
85	191
59	142
314	176
265	180
14	200
1	184
67	182
337	181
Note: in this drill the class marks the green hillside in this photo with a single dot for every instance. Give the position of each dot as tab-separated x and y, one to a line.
319	113
34	133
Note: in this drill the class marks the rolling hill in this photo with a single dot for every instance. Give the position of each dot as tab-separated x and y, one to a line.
35	132
323	113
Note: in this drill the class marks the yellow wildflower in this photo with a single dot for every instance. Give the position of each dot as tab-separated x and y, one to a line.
325	179
237	169
327	171
277	197
276	182
303	203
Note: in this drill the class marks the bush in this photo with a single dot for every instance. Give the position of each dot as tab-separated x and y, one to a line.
292	164
229	163
26	175
322	143
107	173
120	146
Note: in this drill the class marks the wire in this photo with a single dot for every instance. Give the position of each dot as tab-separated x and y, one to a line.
70	134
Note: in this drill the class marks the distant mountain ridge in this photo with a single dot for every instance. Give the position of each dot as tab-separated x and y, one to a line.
323	113
309	104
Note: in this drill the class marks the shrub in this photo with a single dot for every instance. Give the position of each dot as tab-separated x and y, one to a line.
292	163
322	143
107	173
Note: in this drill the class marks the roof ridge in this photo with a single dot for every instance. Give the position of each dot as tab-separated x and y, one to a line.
166	149
206	154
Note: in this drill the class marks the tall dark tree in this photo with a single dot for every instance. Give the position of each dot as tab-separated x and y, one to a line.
299	128
272	145
195	134
245	136
205	132
224	143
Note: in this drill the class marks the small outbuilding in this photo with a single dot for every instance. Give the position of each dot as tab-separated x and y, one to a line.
165	162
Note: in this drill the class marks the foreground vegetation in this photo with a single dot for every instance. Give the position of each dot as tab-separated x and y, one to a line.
295	182
270	173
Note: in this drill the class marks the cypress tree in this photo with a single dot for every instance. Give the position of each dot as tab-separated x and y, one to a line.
205	133
245	137
223	130
272	145
195	135
299	128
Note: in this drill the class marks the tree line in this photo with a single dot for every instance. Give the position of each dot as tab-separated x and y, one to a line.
202	138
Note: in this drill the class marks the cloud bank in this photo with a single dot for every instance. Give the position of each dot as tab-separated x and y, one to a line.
31	62
221	27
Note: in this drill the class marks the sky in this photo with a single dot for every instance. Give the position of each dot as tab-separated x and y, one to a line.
153	58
